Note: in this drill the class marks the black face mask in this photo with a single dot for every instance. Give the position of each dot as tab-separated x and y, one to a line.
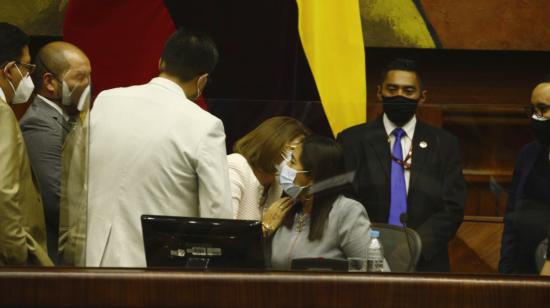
542	131
399	109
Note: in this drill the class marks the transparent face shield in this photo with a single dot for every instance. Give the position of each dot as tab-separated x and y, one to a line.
74	83
74	183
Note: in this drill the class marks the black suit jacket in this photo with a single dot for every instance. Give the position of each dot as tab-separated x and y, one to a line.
526	221
437	191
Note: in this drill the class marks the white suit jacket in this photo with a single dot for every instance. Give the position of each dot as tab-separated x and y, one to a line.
152	151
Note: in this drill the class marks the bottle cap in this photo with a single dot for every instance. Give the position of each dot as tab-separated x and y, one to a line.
374	233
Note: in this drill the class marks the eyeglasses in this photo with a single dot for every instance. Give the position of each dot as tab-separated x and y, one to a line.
538	109
30	67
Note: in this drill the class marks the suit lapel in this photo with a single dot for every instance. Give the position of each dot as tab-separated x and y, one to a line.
50	112
424	143
378	141
65	124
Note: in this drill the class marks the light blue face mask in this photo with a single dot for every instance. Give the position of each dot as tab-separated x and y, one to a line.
286	179
286	158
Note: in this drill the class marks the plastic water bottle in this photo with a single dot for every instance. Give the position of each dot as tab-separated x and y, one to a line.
375	253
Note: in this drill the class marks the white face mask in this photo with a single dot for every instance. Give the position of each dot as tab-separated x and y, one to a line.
66	94
286	179
24	89
84	101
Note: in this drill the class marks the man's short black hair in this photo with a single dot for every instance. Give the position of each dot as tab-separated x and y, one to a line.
401	64
12	42
187	55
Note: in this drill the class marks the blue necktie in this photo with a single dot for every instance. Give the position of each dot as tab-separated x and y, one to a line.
398	198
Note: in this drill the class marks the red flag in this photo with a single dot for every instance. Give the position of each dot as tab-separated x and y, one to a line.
124	39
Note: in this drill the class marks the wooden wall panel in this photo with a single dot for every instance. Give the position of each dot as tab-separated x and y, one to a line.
476	247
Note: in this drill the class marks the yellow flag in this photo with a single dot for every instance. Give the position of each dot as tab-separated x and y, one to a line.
332	38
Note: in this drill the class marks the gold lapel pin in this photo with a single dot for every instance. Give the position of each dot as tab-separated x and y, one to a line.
423	144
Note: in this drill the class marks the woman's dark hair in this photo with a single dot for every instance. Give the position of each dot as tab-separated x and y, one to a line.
323	158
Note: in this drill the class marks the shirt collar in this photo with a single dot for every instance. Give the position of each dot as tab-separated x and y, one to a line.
2	95
168	84
409	127
55	106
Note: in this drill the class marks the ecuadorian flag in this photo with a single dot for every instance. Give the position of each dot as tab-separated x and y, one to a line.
332	38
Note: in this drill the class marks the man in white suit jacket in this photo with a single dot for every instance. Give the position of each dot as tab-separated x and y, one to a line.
154	151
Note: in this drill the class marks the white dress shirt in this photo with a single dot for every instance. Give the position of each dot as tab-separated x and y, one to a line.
55	106
406	140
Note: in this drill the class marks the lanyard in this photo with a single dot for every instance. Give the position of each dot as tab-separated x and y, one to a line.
405	162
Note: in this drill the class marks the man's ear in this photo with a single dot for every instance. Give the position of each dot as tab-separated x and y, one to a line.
48	82
203	78
423	96
7	69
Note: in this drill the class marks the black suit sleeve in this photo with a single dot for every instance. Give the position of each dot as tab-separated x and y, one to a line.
442	225
509	243
351	150
353	155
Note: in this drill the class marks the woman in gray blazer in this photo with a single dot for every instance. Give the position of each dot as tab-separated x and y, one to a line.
324	224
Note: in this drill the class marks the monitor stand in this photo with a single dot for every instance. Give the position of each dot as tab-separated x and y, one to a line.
197	263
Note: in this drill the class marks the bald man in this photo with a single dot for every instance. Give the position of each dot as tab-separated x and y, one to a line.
528	211
62	73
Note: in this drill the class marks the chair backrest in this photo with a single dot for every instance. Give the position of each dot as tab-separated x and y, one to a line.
540	254
402	246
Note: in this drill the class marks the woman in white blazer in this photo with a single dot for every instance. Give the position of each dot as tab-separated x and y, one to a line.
254	163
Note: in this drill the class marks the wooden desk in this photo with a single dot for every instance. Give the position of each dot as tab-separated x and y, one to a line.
115	287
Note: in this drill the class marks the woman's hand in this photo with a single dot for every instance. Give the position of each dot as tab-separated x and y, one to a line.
275	214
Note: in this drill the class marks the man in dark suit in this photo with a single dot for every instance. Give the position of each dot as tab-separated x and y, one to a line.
407	171
62	72
528	209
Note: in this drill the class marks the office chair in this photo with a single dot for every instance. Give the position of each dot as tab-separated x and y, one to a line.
402	246
540	254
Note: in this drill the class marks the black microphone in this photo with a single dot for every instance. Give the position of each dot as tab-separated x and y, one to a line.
403	218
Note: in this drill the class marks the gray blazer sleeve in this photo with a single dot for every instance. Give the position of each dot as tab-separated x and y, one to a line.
353	228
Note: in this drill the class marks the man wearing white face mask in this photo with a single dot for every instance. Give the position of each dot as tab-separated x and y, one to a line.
62	73
22	230
154	151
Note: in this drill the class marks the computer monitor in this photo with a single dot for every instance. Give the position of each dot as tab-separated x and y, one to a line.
206	243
